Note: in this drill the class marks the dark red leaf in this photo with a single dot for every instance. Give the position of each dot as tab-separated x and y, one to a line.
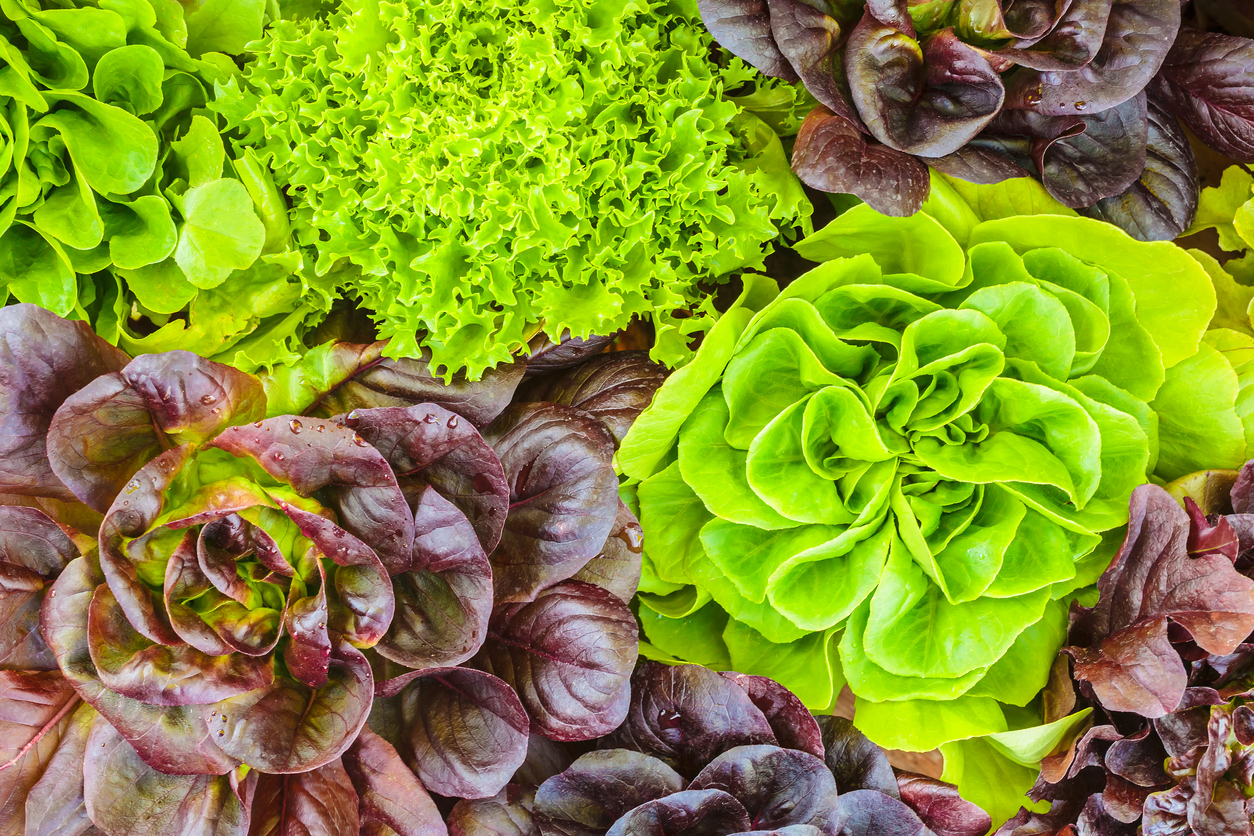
687	716
321	802
389	792
598	789
778	787
927	100
569	656
382	383
939	806
793	724
832	155
508	813
125	795
856	762
43	360
107	430
1135	41
428	445
743	28
1208	81
691	813
563	496
1163	201
462	731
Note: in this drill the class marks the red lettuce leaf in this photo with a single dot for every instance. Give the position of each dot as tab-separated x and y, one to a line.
289	727
110	428
508	813
1162	202
617	567
125	795
777	787
132	666
428	445
1135	42
390	794
169	739
462	731
793	724
33	552
871	813
569	656
444	601
692	812
563	496
615	388
810	35
1130	663
927	100
43	360
856	762
1208	81
544	355
321	802
940	808
832	155
313	455
687	716
598	789
36	709
743	28
370	383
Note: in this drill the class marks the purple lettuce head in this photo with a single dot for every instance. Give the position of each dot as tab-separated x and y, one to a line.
1087	97
720	754
263	586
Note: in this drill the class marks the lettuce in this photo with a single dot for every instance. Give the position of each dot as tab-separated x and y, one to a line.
708	753
204	599
121	204
474	174
1161	667
1092	99
897	470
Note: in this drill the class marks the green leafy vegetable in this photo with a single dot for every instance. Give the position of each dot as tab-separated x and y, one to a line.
119	202
912	453
476	173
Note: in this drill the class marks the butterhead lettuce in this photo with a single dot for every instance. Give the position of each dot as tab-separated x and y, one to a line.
897	470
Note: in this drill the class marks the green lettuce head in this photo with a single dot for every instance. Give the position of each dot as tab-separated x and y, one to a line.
897	470
475	173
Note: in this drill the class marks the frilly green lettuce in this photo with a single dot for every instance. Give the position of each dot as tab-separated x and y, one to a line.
474	173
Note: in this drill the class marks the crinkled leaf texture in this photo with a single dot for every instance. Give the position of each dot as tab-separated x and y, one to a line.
894	472
1165	739
504	243
1154	580
991	90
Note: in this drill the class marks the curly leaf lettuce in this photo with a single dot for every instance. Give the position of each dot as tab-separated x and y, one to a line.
476	174
897	471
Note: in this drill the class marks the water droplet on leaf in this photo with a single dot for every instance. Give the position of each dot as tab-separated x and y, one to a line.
295	426
453	422
208	400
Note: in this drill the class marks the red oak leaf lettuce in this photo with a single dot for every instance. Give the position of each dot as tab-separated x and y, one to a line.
1165	663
